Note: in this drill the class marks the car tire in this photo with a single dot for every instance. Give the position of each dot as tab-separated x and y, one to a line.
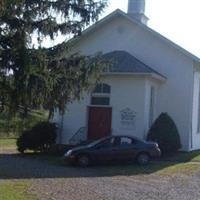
143	159
83	161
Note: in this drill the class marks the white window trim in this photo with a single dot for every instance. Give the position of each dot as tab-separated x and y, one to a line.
100	95
100	106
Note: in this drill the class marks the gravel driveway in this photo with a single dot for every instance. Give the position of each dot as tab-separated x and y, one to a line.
65	183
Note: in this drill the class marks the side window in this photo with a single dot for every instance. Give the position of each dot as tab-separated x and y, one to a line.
198	125
107	143
152	106
102	89
126	141
100	101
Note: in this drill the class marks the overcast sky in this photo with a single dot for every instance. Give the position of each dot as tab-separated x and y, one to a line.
178	20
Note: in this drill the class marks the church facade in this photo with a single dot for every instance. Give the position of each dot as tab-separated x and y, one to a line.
151	75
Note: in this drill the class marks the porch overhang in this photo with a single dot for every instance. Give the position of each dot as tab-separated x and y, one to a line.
155	76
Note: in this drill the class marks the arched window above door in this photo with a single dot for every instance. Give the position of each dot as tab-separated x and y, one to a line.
101	95
102	88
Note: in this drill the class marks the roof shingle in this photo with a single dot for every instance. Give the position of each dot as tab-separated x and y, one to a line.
124	62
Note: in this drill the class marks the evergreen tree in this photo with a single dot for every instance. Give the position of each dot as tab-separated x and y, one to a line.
37	76
165	133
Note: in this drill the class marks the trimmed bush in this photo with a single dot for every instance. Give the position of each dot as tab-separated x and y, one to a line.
165	133
39	138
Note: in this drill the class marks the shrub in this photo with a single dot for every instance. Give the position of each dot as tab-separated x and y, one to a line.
39	138
165	133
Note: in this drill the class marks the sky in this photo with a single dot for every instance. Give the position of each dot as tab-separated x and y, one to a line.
178	20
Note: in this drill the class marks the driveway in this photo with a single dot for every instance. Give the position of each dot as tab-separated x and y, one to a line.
52	181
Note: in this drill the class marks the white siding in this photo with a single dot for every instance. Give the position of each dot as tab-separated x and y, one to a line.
175	96
75	118
195	114
126	92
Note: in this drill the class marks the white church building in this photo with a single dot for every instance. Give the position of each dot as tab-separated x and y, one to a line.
151	75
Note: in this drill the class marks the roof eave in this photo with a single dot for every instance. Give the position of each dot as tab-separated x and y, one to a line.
149	75
96	24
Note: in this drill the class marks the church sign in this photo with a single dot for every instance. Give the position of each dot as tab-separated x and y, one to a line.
127	119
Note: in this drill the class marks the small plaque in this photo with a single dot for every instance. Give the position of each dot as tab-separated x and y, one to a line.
128	117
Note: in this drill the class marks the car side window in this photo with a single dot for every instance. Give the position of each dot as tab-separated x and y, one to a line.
126	141
107	143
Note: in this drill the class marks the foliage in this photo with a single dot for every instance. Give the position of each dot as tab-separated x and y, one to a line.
13	126
165	133
32	76
39	138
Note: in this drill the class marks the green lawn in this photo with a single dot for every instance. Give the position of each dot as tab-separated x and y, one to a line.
193	156
15	191
161	169
7	143
180	163
181	168
177	164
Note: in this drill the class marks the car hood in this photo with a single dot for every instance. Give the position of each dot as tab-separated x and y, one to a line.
150	142
79	148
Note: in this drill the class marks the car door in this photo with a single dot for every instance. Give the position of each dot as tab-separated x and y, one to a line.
103	152
125	149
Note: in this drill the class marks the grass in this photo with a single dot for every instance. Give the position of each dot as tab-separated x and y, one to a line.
193	156
15	191
183	168
7	143
182	162
160	168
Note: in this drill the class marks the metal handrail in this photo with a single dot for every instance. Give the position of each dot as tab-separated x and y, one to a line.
76	137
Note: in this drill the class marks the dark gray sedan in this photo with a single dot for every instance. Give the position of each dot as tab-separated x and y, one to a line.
113	148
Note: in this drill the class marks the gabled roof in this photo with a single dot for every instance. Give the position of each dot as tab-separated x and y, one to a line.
118	12
124	62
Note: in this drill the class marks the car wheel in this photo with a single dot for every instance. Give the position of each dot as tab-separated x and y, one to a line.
143	158
83	160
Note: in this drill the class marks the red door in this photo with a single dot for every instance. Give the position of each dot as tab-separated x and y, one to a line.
99	122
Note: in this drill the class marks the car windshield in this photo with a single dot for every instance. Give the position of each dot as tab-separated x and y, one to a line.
96	142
